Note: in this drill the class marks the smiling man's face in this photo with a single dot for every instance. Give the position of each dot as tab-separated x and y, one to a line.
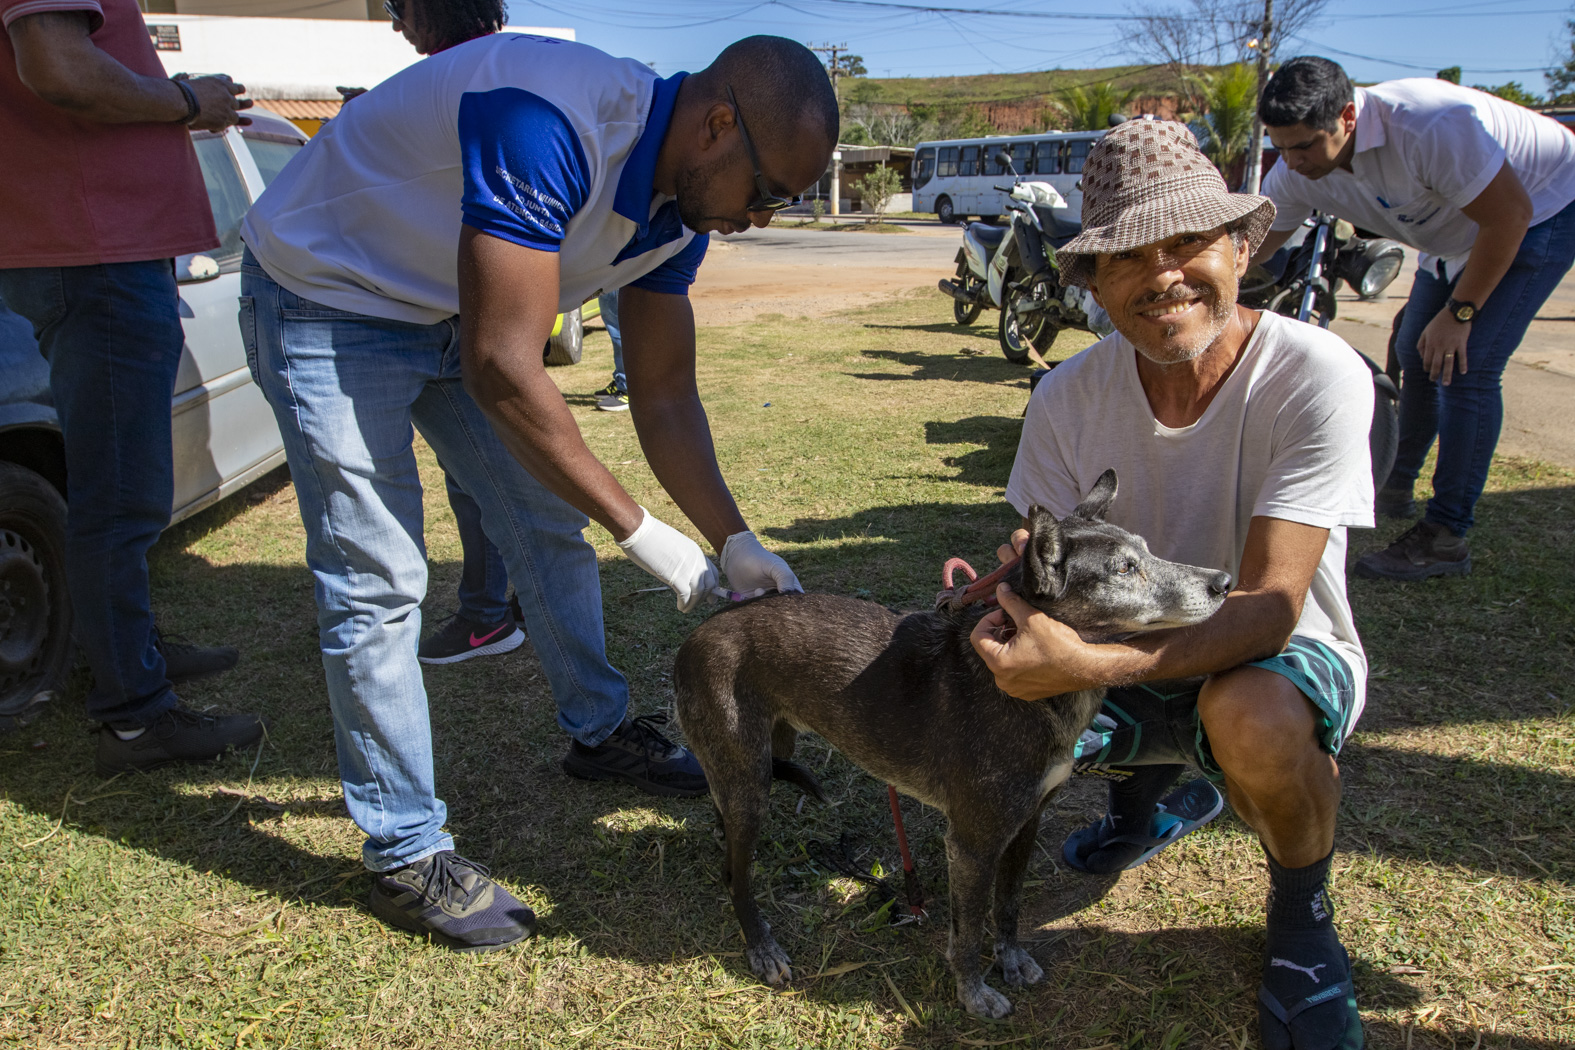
1172	299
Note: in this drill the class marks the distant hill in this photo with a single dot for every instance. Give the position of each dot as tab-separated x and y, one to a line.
1002	87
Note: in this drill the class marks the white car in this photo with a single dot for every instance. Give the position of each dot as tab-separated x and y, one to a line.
225	436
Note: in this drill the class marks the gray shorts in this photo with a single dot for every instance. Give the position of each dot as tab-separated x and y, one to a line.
1157	723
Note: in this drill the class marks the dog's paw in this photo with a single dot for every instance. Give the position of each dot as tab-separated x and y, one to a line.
770	963
1017	966
981	1000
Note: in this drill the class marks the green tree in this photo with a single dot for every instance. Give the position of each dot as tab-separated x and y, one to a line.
852	66
1450	73
877	189
1561	78
1512	92
1228	97
1090	108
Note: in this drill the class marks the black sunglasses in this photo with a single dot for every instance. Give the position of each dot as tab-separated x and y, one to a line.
395	9
768	201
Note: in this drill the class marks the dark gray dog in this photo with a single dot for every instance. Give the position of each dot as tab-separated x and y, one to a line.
907	699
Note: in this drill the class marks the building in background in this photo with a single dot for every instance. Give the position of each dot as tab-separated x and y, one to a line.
291	56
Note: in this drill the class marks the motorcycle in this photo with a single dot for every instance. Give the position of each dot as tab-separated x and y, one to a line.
1012	269
1299	281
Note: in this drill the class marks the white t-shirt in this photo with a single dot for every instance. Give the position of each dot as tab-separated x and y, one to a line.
1285	437
542	142
1424	150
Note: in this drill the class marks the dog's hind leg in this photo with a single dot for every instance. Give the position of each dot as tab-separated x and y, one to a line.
971	874
741	803
1017	966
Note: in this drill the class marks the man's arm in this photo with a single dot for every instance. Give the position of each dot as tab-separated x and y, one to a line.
1047	658
508	299
58	62
1502	212
659	339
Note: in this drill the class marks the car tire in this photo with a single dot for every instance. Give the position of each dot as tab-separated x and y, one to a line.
565	347
35	609
944	211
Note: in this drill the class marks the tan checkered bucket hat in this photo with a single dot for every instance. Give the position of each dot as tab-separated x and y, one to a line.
1144	181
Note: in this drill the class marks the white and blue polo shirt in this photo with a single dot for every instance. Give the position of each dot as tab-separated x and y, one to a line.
545	143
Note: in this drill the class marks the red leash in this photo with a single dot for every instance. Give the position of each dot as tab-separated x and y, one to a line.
975	590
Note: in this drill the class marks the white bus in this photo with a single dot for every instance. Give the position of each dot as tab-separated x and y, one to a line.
955	178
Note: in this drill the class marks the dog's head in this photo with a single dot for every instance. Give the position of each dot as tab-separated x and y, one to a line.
1102	580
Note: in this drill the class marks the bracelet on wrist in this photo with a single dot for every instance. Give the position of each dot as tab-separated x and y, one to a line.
193	107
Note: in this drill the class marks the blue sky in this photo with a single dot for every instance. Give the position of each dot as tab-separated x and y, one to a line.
1495	41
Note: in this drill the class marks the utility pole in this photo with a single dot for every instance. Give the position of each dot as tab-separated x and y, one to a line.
833	64
1254	177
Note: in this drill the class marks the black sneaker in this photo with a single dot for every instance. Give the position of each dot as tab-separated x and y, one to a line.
178	735
461	639
1425	549
617	401
612	387
454	901
184	661
637	753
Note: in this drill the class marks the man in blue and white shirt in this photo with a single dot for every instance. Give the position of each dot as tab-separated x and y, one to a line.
553	172
1485	191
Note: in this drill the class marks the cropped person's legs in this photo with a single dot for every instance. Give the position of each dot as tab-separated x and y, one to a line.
614	397
113	339
1274	744
483	579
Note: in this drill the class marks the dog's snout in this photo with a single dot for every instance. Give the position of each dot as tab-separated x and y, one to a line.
1219	584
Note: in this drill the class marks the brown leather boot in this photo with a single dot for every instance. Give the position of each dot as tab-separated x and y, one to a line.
1425	549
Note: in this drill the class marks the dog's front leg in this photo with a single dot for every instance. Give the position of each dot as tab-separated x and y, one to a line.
1017	966
971	875
740	812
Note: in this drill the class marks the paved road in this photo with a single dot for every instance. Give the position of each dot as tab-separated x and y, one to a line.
809	272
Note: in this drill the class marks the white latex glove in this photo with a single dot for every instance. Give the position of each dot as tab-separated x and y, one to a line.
673	558
750	567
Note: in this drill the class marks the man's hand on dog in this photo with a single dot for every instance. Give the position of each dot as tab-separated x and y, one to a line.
1037	661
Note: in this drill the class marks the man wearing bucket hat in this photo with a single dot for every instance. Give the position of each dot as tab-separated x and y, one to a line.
1240	441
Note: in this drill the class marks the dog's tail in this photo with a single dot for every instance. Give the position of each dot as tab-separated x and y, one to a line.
793	773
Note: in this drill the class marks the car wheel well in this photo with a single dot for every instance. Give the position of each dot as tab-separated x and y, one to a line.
39	450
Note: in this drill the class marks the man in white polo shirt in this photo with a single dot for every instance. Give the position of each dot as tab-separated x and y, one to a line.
553	172
1483	188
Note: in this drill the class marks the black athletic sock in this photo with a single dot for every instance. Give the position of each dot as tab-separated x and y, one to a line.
1133	799
1303	960
1132	802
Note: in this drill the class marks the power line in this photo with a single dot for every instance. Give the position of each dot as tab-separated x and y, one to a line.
1413	65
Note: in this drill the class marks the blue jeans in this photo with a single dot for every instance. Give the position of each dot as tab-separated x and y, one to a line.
483	578
608	301
1466	415
346	389
113	338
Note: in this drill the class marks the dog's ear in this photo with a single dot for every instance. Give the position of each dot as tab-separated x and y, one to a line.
1098	500
1045	554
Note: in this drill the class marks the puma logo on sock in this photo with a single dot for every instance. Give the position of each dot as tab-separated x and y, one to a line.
1310	971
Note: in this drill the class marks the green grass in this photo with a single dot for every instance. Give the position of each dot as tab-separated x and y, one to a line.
222	906
991	86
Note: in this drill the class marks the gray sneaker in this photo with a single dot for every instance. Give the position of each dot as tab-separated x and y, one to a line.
178	735
637	753
454	901
1425	549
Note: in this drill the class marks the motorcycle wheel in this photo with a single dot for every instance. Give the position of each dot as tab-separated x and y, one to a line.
1383	436
965	313
1018	336
1288	302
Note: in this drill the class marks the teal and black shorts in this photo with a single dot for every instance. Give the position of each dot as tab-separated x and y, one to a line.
1157	723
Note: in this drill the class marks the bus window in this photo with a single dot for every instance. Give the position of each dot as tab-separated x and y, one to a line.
992	160
923	167
968	162
1076	153
946	166
1047	158
1023	157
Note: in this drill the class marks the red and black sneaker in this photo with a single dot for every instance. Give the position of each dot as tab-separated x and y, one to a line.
458	639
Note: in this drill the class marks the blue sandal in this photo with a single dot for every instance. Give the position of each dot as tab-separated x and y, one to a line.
1275	1021
1186	809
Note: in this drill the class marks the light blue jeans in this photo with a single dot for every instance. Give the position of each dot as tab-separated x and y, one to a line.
346	390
